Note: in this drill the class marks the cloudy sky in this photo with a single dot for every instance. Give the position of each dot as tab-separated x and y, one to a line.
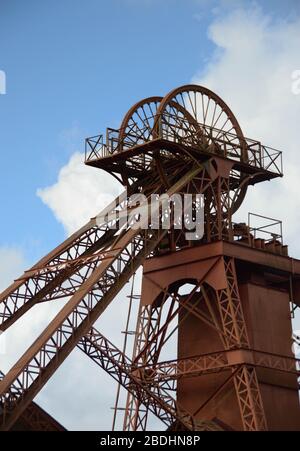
72	69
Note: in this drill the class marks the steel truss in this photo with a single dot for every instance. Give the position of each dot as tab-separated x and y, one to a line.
186	142
151	336
126	254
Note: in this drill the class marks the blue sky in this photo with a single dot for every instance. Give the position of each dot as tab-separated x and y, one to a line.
74	68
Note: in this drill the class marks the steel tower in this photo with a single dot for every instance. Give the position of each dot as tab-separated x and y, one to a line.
227	297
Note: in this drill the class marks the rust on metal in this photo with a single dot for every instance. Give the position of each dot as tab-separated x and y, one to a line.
221	302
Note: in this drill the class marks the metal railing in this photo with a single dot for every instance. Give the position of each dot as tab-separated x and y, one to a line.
180	131
269	229
95	148
259	228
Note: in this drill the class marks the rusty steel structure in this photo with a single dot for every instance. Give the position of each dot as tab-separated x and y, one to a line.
227	297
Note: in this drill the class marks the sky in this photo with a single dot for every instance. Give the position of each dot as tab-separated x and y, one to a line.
74	68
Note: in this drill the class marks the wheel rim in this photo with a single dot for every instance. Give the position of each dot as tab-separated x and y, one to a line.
184	107
138	123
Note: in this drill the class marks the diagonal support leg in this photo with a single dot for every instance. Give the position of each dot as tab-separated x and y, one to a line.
122	369
46	354
234	327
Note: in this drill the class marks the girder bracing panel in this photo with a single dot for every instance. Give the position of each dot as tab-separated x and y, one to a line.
75	319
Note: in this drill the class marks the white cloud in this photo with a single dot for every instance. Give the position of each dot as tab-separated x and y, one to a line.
12	264
251	69
79	193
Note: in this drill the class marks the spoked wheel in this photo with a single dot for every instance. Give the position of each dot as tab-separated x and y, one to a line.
194	115
137	128
137	125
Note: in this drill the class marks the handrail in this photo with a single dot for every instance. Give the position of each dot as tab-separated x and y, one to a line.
220	141
267	229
